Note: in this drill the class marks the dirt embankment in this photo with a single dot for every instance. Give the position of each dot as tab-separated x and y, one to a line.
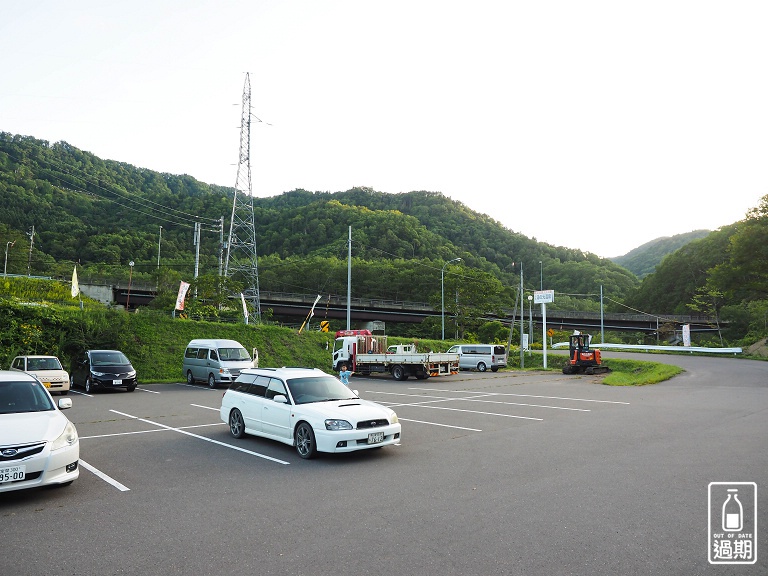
759	348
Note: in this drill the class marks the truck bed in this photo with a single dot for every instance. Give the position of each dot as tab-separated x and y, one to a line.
417	358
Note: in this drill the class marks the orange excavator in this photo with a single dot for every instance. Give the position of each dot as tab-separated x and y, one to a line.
581	358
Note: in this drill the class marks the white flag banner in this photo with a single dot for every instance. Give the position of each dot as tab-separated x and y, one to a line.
245	308
183	287
75	284
312	312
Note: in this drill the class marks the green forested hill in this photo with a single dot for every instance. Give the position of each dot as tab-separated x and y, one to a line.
723	275
643	260
103	214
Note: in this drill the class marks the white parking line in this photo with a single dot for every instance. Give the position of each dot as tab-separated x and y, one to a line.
477	398
150	431
145	390
206	407
424	405
106	478
179	430
436	424
196	387
521	395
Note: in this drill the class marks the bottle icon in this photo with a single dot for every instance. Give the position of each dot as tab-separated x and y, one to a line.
733	512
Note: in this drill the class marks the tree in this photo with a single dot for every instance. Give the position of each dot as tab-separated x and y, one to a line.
708	301
745	275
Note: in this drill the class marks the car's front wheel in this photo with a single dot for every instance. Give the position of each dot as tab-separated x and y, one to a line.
190	378
211	381
236	423
305	441
88	385
481	367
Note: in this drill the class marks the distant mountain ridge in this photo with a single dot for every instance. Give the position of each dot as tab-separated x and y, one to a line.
643	260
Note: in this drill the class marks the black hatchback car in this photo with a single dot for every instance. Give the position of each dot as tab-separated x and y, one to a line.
101	369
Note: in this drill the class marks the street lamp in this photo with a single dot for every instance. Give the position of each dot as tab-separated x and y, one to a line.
541	271
5	266
442	293
130	277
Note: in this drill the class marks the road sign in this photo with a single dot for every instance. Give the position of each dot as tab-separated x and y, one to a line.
543	296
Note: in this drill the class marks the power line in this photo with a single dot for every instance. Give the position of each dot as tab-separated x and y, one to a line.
172	215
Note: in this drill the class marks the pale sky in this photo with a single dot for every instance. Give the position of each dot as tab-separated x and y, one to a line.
597	125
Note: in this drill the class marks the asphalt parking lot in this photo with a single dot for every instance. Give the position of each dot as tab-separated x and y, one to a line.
505	473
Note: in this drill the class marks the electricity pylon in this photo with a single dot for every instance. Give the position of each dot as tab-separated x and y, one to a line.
242	263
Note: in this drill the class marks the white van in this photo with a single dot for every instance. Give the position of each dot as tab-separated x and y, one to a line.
215	361
480	356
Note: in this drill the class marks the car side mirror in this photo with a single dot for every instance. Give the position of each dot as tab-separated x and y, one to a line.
65	403
280	399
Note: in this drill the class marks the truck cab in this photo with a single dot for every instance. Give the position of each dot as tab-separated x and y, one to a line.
350	343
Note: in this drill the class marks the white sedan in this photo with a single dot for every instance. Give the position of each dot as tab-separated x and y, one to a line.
308	409
38	444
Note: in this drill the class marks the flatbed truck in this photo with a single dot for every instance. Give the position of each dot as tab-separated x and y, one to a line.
365	353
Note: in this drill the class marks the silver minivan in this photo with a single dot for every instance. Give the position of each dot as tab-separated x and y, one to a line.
480	357
215	361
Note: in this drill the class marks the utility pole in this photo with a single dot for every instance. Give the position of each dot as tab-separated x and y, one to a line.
196	242
159	238
221	246
31	243
602	322
522	318
349	279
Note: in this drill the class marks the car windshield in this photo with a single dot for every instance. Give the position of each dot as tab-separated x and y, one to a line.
108	358
43	364
233	354
18	397
318	389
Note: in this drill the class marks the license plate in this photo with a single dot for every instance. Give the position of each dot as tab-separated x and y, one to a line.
12	473
375	437
47	384
117	382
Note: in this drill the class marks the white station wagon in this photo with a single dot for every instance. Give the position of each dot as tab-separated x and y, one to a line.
308	409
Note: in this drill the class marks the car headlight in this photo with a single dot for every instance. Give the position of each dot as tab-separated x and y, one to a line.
98	373
131	374
67	438
337	425
393	419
